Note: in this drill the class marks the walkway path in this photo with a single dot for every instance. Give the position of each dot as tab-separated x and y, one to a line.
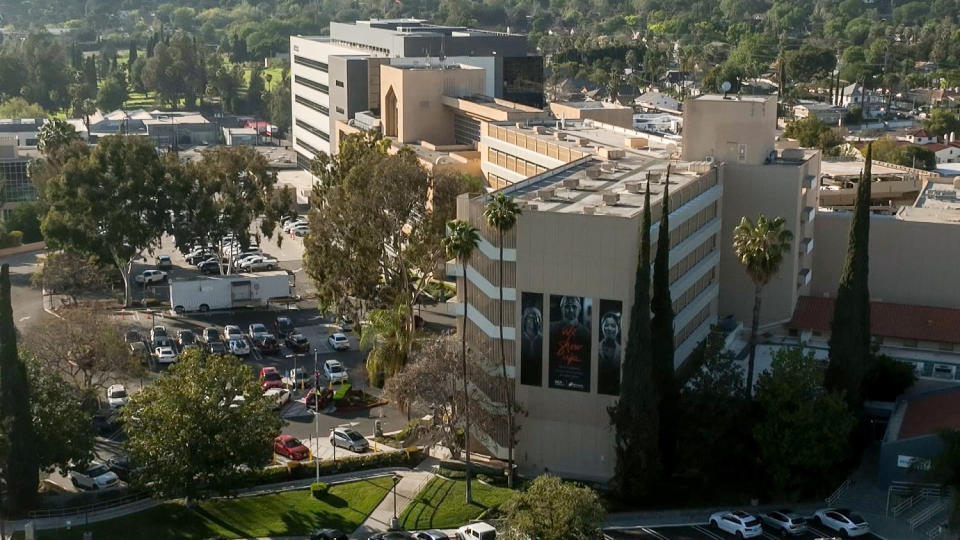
411	482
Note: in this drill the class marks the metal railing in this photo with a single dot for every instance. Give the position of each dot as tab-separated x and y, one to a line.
936	533
924	515
85	509
837	493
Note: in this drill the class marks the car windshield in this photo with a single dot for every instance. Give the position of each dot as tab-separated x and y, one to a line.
283	324
97	470
749	522
236	343
354	435
335	368
489	535
272	376
293	443
258	328
118	394
856	518
340	338
300	339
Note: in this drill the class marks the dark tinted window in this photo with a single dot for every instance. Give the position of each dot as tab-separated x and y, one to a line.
523	80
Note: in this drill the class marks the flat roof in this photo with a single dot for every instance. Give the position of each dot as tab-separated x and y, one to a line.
734	98
854	168
927	413
591	105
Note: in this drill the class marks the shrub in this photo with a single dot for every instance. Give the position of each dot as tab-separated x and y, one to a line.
318	489
11	239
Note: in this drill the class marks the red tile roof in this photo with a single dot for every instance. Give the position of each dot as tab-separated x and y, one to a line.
928	413
922	323
920	133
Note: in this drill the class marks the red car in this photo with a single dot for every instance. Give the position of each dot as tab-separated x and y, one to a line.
270	378
290	447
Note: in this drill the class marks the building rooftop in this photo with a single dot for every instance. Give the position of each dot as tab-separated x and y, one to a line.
608	179
15	125
925	414
185	119
733	97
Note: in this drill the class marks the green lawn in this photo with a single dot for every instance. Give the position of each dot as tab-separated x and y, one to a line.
281	514
440	504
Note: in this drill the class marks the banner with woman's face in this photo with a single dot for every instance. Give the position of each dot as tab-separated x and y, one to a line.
570	342
610	347
531	338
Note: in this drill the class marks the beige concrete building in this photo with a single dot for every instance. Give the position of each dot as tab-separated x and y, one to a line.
608	113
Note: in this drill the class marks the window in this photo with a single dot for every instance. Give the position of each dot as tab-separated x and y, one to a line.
303	81
308	147
312	105
340	110
339	84
310	63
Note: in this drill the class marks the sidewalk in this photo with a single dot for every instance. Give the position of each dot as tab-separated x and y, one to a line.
411	483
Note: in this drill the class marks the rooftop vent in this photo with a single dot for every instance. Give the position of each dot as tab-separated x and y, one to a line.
540	130
590	209
559	135
612	153
608	167
571	183
653	176
583	141
792	154
610	199
546	194
594	171
634	187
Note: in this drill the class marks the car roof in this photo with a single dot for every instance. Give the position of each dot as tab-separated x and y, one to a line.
332	362
285	437
481	527
338	335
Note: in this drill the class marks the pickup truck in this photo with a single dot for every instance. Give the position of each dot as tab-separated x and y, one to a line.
151	276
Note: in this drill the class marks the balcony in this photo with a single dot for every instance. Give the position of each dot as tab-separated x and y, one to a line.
804	277
806	246
807	214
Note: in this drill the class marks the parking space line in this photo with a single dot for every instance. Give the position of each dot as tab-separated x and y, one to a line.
702	529
654	533
821	532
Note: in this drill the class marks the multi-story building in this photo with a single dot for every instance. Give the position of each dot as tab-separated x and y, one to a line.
336	77
17	186
25	130
570	264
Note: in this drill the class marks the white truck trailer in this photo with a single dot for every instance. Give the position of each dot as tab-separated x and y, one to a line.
226	292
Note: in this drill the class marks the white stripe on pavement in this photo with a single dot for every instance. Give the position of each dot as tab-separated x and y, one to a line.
710	534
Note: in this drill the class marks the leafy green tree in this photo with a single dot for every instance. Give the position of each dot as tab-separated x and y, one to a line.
193	431
916	157
62	420
811	61
850	328
886	379
635	414
70	274
22	466
112	94
501	214
459	244
806	130
388	337
26	219
942	121
255	92
661	329
18	107
278	104
760	247
112	203
553	509
804	430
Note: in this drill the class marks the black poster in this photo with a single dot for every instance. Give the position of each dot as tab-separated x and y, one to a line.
609	347
570	342
531	339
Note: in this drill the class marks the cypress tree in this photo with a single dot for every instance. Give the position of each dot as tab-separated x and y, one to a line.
21	467
661	329
634	416
850	329
132	53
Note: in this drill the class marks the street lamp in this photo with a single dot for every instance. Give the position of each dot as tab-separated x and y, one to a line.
395	524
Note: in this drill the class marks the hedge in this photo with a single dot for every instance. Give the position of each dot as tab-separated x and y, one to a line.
408	457
318	489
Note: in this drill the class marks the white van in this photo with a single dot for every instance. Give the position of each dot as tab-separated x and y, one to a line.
477	531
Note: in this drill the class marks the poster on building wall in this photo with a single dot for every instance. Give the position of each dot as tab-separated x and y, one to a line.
570	342
531	338
609	347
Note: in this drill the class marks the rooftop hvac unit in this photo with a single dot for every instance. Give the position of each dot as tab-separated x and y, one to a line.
583	141
611	199
559	135
653	176
590	209
545	194
571	183
608	167
594	171
634	187
540	130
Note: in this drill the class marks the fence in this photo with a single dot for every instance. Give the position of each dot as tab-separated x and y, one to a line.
85	509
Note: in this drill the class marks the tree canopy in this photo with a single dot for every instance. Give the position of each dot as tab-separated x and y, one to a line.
554	509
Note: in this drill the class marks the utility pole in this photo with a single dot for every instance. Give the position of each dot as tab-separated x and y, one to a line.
316	417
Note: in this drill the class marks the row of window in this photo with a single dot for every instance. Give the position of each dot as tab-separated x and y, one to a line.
692	225
497	182
308	147
310	63
692	190
691	327
312	105
513	163
694	291
303	81
318	132
679	269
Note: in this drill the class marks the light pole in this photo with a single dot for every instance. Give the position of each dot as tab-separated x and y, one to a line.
316	418
394	524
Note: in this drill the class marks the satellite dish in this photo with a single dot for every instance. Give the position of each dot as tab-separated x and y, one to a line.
725	87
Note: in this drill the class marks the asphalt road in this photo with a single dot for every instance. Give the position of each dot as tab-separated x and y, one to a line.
706	532
27	302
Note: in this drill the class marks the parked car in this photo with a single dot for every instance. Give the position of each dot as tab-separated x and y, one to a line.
784	522
283	327
186	338
117	396
257	263
738	523
165	355
239	347
349	439
132	336
138	350
297	342
150	276
290	447
267	344
346	324
393	535
292	224
216	347
256	330
300	230
270	378
842	520
338	342
328	534
477	531
96	476
280	396
210	335
199	255
158	332
334	371
241	258
164	262
119	465
210	267
432	534
232	331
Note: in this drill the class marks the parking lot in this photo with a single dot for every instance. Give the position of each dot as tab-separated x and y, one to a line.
706	532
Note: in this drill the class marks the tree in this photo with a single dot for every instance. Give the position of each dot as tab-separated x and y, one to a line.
26	219
18	107
942	121
501	214
193	431
21	466
70	274
459	244
111	94
553	509
661	330
811	61
255	93
886	379
112	203
388	338
278	104
850	328
916	157
945	467
760	247
804	430
806	130
635	415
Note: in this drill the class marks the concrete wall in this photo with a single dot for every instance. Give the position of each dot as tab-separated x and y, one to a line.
422	115
617	116
911	262
713	126
348	89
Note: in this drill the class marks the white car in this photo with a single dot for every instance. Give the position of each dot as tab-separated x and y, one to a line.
117	396
258	262
96	476
476	531
150	276
300	230
165	355
741	524
280	396
239	347
338	342
157	332
257	330
334	371
290	225
842	520
232	331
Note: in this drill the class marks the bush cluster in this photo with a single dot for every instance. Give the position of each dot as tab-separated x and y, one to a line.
408	457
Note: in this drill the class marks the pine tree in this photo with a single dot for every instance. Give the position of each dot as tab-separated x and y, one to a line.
634	416
661	329
21	468
850	329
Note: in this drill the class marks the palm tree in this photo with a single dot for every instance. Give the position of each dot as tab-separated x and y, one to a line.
760	248
462	238
388	338
501	213
54	134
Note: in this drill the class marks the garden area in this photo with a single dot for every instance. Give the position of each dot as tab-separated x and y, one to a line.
439	505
